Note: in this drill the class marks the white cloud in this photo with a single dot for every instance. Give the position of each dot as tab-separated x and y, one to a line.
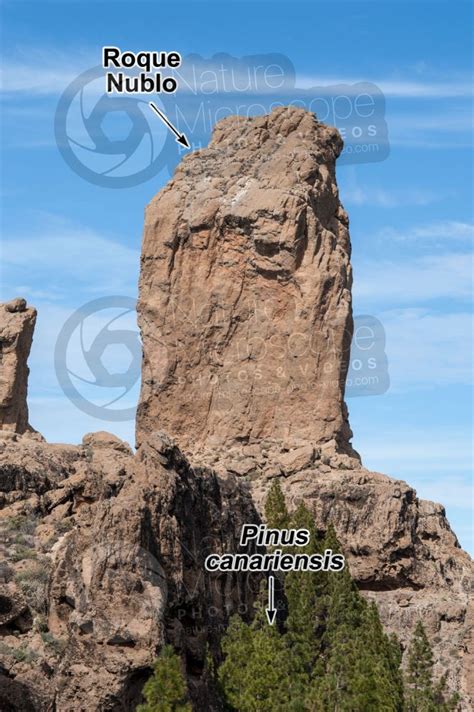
68	257
442	230
430	144
451	490
43	71
435	461
51	412
414	280
17	78
421	445
384	198
47	70
426	129
59	421
458	120
403	88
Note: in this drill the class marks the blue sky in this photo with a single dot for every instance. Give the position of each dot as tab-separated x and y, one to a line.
67	241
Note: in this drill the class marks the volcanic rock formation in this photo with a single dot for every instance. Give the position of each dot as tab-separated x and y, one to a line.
245	301
17	322
245	313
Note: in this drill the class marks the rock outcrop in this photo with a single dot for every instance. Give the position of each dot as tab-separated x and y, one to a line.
245	291
103	557
17	322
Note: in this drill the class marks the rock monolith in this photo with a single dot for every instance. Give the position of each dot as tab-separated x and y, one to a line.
245	291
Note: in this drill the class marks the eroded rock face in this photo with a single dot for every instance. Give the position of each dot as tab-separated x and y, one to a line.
103	554
245	302
17	322
110	567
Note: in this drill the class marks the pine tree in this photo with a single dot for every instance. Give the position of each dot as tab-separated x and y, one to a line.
255	673
420	669
359	665
331	653
300	589
381	656
166	690
446	705
276	512
422	694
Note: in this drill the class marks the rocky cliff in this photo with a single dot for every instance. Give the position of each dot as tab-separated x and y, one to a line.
245	314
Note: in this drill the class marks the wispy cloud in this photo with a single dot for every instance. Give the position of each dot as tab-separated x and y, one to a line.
449	128
419	280
385	198
66	257
18	78
450	231
44	70
395	88
425	450
457	120
48	70
436	462
61	422
427	349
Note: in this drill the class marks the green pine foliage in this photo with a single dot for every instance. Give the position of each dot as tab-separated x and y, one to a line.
166	689
359	666
301	594
255	675
422	693
276	513
331	654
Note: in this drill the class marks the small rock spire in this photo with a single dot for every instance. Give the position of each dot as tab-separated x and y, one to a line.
17	323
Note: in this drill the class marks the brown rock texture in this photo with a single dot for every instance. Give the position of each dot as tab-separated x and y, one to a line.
245	301
103	562
17	322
